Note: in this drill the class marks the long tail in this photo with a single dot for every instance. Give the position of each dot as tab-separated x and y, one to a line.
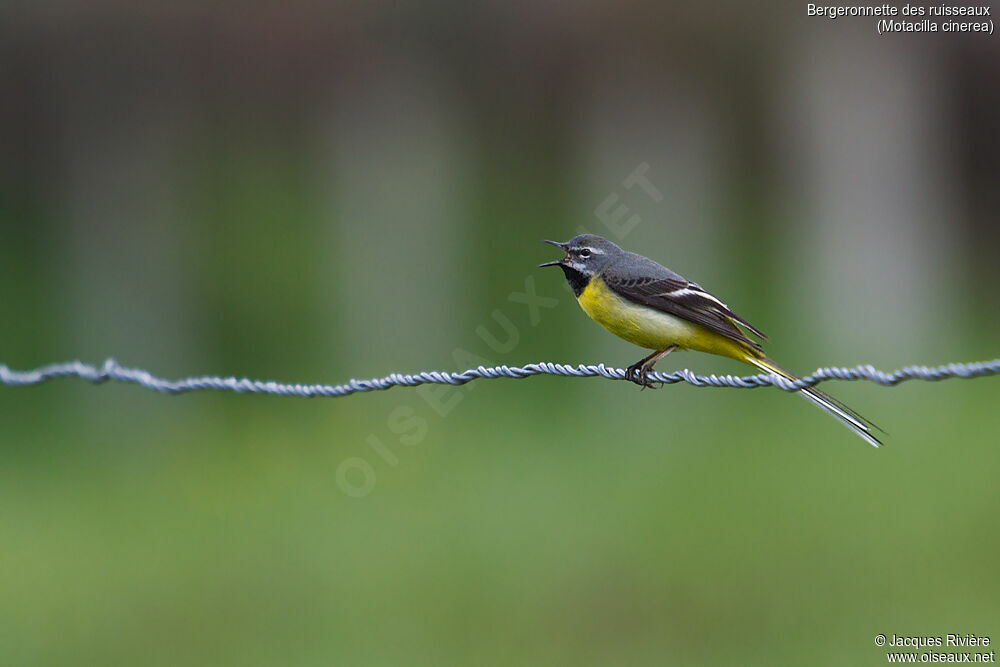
846	416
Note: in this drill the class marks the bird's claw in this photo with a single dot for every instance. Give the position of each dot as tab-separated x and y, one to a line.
644	380
635	373
639	374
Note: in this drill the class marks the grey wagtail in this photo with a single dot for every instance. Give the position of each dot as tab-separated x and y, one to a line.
649	305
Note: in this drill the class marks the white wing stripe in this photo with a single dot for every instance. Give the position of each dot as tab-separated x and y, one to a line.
687	291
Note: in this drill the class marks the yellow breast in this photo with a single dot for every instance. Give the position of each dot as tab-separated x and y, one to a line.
648	327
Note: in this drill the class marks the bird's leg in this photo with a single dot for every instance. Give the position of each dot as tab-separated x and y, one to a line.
632	372
650	361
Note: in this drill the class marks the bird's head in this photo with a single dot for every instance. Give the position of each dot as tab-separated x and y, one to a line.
586	254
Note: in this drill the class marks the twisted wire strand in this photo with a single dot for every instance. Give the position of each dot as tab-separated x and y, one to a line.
112	370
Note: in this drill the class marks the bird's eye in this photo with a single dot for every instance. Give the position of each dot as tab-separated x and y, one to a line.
585	253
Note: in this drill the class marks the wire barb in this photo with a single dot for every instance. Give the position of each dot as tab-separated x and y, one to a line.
111	370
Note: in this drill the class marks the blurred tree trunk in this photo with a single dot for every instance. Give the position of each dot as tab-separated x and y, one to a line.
120	258
393	165
872	270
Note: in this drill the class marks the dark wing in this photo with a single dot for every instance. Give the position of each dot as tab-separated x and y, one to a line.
687	300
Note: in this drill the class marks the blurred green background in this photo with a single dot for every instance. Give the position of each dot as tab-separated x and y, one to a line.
316	193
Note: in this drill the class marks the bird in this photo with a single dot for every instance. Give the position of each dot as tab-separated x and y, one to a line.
649	305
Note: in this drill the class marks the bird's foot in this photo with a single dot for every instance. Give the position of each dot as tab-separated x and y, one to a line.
639	374
634	372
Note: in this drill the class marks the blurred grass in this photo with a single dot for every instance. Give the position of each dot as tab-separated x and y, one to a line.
682	525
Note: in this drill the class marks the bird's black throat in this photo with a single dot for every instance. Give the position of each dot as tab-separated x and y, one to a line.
577	280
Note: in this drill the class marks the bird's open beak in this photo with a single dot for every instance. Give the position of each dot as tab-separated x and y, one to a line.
558	261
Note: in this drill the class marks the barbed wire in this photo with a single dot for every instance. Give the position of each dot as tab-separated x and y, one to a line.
112	370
